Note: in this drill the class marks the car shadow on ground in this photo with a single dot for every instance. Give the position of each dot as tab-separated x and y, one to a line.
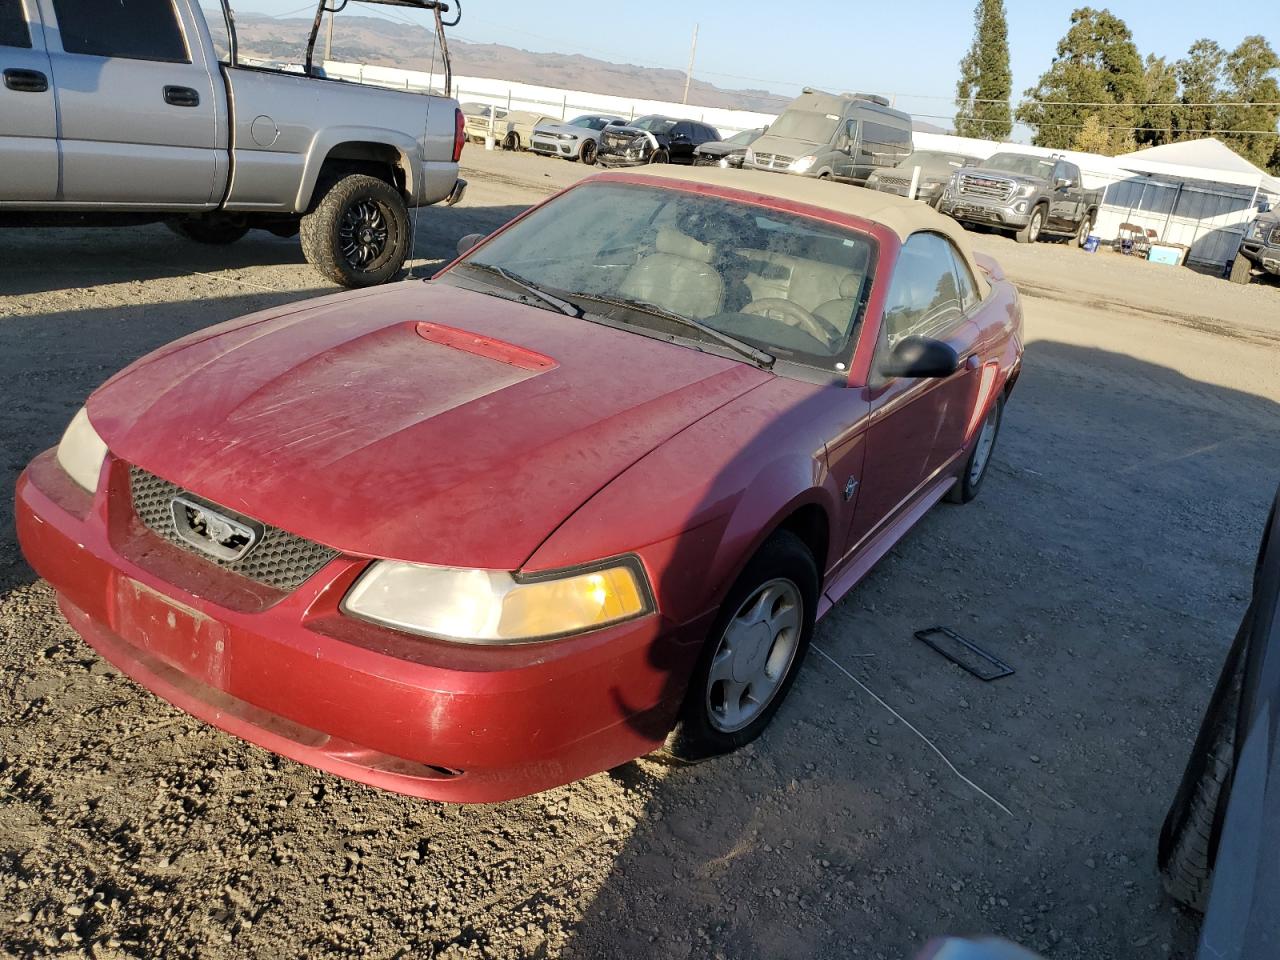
1107	559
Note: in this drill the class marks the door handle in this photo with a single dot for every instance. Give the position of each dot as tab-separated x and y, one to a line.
26	81
181	97
973	361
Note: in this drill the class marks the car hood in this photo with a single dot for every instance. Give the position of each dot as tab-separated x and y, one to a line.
636	132
564	128
717	148
425	423
1019	178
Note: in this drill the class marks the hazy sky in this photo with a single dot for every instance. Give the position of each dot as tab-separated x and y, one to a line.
908	50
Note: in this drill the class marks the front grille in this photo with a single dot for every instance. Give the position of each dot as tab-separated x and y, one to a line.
281	560
617	142
774	161
986	188
895	181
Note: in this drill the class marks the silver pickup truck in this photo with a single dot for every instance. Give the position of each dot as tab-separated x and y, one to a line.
1026	194
141	110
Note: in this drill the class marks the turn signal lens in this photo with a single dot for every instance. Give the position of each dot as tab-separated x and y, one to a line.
493	606
82	451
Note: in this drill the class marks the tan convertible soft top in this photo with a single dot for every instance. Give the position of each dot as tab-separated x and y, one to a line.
904	217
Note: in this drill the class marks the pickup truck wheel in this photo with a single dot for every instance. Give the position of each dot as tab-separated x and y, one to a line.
358	234
1031	232
752	654
511	141
979	461
588	154
1082	234
1241	269
213	232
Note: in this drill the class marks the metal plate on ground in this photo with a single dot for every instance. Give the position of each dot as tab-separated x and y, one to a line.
965	653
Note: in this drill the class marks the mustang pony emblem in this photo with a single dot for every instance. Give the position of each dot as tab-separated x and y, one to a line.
211	532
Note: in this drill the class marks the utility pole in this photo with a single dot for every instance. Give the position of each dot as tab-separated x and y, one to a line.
328	42
688	75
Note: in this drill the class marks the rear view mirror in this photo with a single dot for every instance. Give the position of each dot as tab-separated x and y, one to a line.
469	241
920	357
1063	182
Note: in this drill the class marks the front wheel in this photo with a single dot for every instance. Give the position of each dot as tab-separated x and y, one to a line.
752	654
358	234
660	156
511	141
1031	232
979	461
588	153
1241	269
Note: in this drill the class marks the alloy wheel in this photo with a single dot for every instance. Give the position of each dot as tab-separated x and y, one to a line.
986	443
754	655
363	234
1037	221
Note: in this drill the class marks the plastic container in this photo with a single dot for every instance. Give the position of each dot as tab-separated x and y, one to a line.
1091	244
1163	254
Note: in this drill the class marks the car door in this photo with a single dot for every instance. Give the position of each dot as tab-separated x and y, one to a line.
916	426
1062	198
682	144
28	116
139	120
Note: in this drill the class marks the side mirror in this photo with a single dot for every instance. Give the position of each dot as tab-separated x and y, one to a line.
1062	182
469	241
920	357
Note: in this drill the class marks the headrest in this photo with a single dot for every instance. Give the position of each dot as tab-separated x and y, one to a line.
672	241
850	286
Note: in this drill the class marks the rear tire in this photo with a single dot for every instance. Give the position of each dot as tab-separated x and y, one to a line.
1241	269
1031	232
978	464
1187	872
511	141
214	232
715	719
357	235
1082	234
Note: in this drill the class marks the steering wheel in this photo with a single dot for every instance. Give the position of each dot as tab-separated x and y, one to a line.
792	314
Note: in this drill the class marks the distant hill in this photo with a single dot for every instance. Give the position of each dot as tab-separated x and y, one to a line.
390	44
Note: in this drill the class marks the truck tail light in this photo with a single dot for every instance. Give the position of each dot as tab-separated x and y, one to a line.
459	134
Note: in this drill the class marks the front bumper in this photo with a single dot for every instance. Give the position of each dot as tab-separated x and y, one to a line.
290	673
622	159
554	148
967	208
1264	258
457	193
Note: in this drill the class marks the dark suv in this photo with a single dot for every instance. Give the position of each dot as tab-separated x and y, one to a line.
654	139
1260	250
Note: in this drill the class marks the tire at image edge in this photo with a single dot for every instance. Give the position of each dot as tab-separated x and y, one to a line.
783	555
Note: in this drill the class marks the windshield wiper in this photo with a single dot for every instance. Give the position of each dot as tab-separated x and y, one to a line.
564	306
757	356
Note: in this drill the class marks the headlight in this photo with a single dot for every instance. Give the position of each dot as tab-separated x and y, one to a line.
803	164
82	451
1026	190
496	607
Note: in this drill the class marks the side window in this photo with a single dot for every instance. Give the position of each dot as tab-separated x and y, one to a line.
13	25
218	30
968	288
924	299
1074	173
129	29
710	133
683	129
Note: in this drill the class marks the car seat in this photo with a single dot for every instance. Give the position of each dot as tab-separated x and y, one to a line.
838	314
678	277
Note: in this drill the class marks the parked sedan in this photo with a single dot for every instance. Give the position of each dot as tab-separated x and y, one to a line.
654	139
726	153
1218	848
476	121
578	139
936	169
581	496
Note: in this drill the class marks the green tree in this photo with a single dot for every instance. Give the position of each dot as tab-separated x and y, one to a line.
1199	75
1159	92
1252	92
1093	137
1097	70
982	93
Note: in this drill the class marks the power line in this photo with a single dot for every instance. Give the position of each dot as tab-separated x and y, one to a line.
1078	126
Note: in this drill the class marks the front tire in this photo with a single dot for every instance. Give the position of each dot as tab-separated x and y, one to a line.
358	234
978	463
1031	232
1241	269
511	141
588	153
753	652
660	156
214	232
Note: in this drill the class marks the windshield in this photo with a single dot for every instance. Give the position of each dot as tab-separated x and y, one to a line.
936	163
591	123
805	125
789	285
744	139
653	124
1020	163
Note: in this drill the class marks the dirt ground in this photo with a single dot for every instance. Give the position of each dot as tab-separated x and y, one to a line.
1107	560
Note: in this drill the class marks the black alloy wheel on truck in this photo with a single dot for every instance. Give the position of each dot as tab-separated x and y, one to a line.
358	234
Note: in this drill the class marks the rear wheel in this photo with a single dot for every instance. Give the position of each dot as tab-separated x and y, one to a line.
752	654
358	234
979	462
1031	232
511	141
1082	234
588	152
213	231
1241	269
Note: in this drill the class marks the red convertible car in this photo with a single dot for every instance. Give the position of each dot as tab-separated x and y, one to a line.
580	496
